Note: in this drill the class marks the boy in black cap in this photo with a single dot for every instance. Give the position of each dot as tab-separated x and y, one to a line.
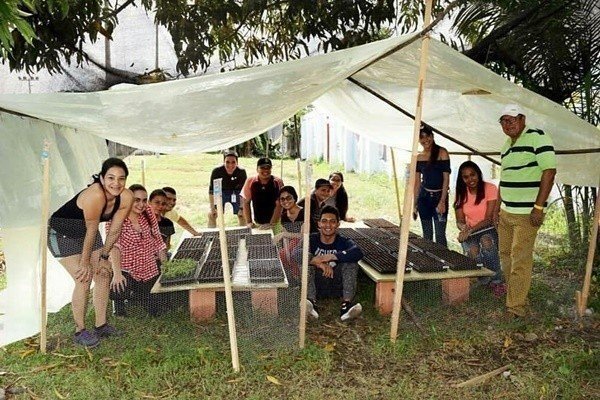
261	193
318	198
234	178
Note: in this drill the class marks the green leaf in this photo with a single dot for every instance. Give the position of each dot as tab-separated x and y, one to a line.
29	4
25	29
6	37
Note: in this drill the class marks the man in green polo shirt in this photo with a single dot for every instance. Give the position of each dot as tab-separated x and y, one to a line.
528	169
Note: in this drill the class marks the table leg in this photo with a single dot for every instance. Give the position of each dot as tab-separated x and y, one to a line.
455	291
265	301
203	305
384	297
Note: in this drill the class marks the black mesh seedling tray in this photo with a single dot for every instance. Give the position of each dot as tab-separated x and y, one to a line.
258	240
268	252
194	243
266	271
453	259
379	258
191	277
422	262
193	254
212	271
215	252
350	233
375	234
379	223
394	230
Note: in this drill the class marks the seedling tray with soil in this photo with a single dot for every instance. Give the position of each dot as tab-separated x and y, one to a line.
180	271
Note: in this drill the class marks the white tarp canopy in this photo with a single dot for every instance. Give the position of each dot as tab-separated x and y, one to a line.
462	99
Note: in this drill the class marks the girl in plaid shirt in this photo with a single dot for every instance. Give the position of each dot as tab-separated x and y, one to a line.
136	256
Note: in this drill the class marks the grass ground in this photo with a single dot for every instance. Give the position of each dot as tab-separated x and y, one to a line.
551	356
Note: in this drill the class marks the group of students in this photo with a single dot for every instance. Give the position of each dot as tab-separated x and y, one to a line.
267	203
139	227
474	206
257	200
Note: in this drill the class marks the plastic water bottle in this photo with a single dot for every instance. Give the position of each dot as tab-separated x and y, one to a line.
441	217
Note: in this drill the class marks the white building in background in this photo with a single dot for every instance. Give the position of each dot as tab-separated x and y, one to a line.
323	138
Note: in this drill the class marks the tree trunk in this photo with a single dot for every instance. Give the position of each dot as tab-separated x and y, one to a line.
573	227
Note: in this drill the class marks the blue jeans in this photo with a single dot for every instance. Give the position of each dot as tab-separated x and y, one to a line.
484	248
426	204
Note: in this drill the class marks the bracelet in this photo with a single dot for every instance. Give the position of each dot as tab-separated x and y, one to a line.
538	207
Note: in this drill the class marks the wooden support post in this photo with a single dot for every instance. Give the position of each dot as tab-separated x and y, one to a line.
582	296
281	174
305	244
44	245
409	193
298	168
218	193
396	185
143	171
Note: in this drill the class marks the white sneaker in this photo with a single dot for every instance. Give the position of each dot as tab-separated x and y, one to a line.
311	309
347	313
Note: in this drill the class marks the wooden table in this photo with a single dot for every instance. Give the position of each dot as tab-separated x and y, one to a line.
202	296
455	284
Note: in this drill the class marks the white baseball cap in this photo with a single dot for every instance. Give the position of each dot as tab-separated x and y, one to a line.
513	110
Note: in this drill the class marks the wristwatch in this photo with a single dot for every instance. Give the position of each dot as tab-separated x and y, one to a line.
104	257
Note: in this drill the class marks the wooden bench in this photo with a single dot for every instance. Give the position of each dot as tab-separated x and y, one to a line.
455	285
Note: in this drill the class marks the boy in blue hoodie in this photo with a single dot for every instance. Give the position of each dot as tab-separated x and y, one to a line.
334	257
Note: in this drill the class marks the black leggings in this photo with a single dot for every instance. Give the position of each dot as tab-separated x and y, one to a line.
136	290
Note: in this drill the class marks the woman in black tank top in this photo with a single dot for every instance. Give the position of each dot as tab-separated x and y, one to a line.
73	237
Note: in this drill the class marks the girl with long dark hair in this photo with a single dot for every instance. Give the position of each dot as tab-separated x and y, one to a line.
474	205
339	196
431	187
73	237
292	219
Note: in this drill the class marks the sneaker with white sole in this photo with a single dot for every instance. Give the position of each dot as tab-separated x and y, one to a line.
350	311
311	309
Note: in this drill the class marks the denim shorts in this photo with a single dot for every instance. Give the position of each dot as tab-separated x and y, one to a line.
63	246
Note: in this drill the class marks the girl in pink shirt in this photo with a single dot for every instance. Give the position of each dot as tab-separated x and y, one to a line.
474	205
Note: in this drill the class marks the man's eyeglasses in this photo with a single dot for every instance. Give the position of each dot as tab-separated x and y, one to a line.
508	120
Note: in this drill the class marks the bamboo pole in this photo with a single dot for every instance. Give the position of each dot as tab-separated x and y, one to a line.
299	173
281	174
396	184
143	171
582	296
482	378
218	193
44	245
305	244
409	193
